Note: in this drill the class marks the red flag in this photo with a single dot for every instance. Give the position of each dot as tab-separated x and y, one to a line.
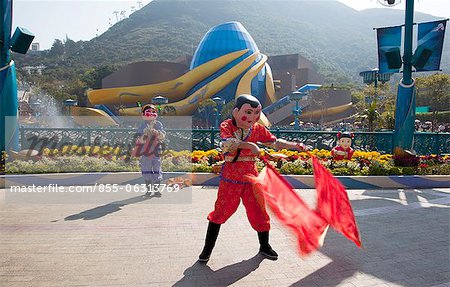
289	208
333	203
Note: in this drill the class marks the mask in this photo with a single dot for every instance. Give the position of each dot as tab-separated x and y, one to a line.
345	142
150	114
246	116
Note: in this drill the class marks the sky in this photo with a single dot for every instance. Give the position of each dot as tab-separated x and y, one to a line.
84	19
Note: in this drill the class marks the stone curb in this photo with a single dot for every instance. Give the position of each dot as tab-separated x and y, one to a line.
210	179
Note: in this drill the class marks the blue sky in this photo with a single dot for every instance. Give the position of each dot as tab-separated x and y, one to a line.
84	19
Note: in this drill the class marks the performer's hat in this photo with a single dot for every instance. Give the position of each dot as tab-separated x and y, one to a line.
345	135
148	106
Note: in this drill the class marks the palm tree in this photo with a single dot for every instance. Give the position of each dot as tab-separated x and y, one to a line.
371	115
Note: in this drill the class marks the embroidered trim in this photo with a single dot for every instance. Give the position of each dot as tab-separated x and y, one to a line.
233	181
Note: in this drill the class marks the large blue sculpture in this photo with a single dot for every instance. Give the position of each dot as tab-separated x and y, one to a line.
227	63
224	39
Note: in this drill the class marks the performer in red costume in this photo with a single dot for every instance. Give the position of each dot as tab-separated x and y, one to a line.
240	136
343	150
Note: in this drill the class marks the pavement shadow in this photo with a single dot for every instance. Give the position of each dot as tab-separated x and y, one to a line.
200	274
328	272
406	245
106	209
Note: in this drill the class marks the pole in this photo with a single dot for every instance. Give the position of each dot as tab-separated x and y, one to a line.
376	82
405	111
296	114
217	117
8	84
407	54
6	11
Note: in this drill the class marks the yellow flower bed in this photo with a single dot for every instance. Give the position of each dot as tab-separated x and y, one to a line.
362	163
114	152
369	155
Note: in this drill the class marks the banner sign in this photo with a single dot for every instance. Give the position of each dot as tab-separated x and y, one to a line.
388	39
431	37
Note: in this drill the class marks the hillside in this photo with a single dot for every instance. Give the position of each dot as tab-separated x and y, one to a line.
339	40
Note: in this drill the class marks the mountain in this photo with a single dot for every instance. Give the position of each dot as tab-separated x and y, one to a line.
340	41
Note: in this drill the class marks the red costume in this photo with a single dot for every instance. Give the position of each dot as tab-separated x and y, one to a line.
337	156
343	150
232	185
240	136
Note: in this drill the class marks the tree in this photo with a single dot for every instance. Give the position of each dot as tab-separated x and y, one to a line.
434	91
371	115
206	108
57	49
227	109
70	46
93	77
375	106
168	111
388	119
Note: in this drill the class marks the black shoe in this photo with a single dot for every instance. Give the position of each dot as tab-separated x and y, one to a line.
265	249
210	241
268	252
204	256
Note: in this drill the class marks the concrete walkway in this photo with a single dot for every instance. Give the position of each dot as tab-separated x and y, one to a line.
136	241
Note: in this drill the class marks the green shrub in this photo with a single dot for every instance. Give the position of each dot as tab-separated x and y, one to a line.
201	168
409	170
342	171
70	164
394	171
295	168
377	169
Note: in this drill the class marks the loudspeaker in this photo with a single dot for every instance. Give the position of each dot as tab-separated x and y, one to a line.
393	58
421	57
21	40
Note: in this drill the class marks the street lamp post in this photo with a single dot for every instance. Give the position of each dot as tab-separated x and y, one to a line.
373	76
69	103
405	112
219	102
20	42
406	92
160	100
296	96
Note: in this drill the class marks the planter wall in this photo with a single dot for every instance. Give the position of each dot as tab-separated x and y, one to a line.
208	179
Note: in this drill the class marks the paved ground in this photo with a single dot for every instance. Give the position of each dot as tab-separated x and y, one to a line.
137	242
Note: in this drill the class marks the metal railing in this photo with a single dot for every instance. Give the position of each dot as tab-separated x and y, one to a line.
205	139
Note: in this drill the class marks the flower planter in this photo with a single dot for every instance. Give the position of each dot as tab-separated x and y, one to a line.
210	179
